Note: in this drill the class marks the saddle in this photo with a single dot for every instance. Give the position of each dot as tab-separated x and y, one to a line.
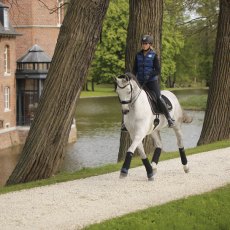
154	104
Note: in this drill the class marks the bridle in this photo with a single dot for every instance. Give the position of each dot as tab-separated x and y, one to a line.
122	87
132	100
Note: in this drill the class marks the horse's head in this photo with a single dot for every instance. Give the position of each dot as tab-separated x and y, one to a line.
124	91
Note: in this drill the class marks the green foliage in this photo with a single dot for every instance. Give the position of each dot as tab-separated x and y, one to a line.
187	46
109	58
172	38
194	63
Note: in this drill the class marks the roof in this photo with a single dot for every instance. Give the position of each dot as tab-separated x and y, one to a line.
35	55
9	31
3	6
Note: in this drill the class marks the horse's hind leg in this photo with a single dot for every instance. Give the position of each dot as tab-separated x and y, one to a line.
158	147
180	144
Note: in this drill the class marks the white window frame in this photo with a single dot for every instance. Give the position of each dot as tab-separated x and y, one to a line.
6	99
7	60
6	19
60	12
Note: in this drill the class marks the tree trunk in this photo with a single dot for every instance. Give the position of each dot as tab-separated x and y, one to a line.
45	145
145	18
217	117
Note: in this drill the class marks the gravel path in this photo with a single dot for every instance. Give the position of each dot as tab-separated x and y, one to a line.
75	204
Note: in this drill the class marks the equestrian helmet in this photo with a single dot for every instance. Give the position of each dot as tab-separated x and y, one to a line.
147	39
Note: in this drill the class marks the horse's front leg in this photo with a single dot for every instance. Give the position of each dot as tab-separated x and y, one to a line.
136	140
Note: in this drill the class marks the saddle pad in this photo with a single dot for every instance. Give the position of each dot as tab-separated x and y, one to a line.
153	102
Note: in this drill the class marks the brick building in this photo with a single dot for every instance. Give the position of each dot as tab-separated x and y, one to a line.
7	75
35	24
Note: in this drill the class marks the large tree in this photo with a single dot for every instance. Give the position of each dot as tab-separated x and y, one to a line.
45	145
217	117
145	17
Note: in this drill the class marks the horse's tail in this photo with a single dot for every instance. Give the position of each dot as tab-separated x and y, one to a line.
186	118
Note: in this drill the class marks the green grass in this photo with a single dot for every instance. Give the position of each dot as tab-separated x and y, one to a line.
208	211
102	90
88	172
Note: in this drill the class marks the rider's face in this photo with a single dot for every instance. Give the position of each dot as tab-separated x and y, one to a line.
145	46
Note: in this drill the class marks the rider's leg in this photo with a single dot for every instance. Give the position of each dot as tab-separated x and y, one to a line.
154	86
164	109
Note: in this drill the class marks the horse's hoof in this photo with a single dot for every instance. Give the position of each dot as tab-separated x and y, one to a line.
150	176
154	171
186	168
123	175
154	167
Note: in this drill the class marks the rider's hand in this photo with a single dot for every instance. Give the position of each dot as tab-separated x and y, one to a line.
147	77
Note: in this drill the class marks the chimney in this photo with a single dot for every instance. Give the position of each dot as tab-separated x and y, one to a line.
4	16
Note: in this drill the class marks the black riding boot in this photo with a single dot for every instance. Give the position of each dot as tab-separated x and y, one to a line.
164	109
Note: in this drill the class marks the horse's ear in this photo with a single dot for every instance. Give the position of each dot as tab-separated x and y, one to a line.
127	77
114	79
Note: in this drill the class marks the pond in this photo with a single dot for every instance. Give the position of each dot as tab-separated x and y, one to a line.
98	130
98	122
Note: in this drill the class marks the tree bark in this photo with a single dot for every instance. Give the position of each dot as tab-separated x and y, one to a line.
217	117
145	17
45	145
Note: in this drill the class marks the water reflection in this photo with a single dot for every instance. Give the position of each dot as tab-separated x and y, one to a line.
8	159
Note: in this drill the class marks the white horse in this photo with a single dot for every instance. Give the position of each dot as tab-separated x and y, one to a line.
140	122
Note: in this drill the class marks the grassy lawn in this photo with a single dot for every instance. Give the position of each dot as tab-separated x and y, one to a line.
209	211
102	90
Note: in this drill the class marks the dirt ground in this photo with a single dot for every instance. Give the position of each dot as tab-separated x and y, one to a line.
75	204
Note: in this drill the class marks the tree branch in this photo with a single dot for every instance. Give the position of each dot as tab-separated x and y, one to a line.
53	9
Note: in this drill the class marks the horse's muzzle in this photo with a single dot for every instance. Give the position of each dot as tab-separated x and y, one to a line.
125	111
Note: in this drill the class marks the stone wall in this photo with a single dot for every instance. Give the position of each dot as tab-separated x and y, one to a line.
17	136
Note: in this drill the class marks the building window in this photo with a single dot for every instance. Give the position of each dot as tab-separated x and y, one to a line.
6	19
7	60
7	98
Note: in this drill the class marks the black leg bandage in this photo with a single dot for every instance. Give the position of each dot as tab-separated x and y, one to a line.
156	155
183	156
127	162
147	166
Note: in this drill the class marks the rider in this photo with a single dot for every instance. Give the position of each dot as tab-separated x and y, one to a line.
147	69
